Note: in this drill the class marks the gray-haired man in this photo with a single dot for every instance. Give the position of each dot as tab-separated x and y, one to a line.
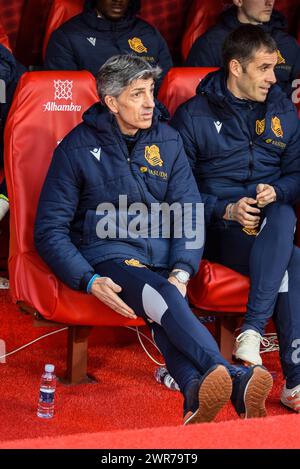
125	148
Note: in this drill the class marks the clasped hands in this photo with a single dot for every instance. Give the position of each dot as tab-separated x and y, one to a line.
244	211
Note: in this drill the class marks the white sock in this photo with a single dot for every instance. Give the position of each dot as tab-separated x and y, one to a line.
4	207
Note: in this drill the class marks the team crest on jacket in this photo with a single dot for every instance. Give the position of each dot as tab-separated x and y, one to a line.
250	231
134	263
136	44
152	155
276	127
260	126
280	59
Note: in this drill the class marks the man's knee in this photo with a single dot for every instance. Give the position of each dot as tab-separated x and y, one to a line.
279	216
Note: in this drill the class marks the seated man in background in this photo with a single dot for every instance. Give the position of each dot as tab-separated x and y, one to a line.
125	149
106	28
207	49
242	136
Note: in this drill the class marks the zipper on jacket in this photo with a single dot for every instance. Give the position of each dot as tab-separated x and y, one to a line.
140	188
149	247
251	162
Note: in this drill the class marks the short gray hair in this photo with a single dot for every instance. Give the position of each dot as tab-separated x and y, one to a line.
120	71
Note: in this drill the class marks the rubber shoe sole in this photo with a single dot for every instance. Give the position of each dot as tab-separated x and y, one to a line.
214	391
256	393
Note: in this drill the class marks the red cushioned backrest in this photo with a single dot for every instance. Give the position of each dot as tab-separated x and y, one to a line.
3	37
291	10
169	17
31	32
11	12
60	12
32	132
202	15
180	84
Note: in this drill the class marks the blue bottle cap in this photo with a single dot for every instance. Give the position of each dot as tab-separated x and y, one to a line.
49	368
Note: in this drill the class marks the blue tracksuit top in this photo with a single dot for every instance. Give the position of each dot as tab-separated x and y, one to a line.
234	144
89	167
85	42
207	49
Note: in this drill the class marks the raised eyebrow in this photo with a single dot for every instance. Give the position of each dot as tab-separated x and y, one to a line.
137	89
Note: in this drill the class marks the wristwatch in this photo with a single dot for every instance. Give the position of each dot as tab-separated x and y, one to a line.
181	275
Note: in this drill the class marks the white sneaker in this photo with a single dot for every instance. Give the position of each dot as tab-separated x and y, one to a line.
291	397
247	346
4	283
4	206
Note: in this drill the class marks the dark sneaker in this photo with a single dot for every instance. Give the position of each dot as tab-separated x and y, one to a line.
214	391
251	387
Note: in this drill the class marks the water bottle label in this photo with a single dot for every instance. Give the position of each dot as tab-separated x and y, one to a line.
47	396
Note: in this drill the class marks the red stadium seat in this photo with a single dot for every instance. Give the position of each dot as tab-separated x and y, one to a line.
3	37
42	113
42	108
180	84
291	10
11	13
60	12
202	15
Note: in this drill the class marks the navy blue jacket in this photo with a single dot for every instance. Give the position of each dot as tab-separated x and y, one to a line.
90	167
207	49
234	144
10	72
85	42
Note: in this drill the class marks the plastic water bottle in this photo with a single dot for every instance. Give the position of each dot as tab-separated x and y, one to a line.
45	408
162	376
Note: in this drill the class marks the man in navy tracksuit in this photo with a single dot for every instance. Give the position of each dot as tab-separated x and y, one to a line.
104	29
207	49
91	240
242	137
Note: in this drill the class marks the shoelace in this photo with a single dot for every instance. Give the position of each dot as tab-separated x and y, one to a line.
272	345
263	340
296	393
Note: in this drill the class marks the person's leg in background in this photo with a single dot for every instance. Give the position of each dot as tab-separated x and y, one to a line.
264	258
287	322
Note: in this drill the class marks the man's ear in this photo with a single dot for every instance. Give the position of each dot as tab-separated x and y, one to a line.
112	104
237	3
235	68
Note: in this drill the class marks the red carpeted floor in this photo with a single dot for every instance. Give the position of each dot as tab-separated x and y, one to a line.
125	396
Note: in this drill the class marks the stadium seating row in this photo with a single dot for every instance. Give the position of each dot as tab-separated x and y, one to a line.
178	20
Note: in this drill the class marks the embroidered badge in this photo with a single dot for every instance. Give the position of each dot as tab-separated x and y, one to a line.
152	155
250	231
136	44
134	263
260	126
276	127
280	59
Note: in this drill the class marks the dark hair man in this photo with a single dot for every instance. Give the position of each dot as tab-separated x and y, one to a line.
124	148
242	136
106	28
207	49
